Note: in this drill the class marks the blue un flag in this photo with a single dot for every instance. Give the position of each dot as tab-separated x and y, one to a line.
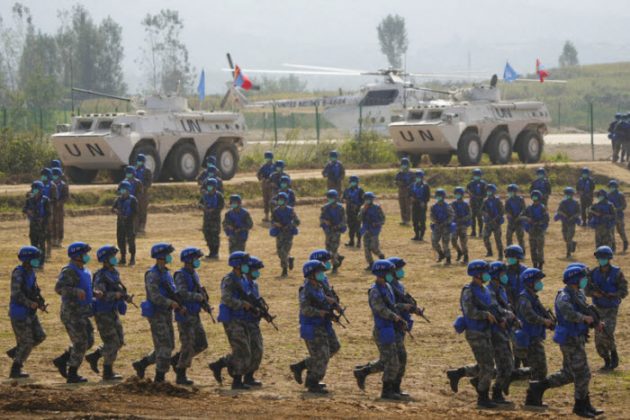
509	74
201	88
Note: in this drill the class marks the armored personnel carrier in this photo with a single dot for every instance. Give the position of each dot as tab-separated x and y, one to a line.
471	122
174	139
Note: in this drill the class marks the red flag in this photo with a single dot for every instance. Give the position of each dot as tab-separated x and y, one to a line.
240	80
540	71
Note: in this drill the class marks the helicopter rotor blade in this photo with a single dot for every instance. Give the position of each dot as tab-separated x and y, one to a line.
328	69
270	71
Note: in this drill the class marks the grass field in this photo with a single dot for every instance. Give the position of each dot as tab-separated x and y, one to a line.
436	347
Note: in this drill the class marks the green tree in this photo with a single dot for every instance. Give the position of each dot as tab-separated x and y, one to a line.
12	40
569	56
166	56
392	36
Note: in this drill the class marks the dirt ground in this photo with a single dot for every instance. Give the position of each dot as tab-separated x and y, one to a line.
436	347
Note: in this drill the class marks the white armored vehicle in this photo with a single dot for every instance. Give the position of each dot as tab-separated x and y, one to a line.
471	122
174	139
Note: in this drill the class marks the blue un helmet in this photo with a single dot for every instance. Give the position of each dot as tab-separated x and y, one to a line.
604	252
532	277
477	172
57	173
282	196
322	255
381	268
491	188
285	179
107	253
369	196
399	265
268	154
211	160
333	154
440	193
124	185
141	158
55	163
161	250
536	195
613	183
353	178
541	171
78	250
235	198
29	253
190	254
602	193
332	194
569	190
256	263
514	251
212	169
238	259
211	182
573	274
586	171
419	173
477	267
618	115
130	170
313	267
495	269
404	161
512	188
459	190
46	172
37	185
279	164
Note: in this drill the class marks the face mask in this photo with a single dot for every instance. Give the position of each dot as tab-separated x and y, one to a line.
583	283
333	159
353	184
418	180
278	169
400	273
486	277
44	178
600	199
404	167
368	201
245	268
129	176
255	274
210	188
567	197
510	194
113	261
541	176
320	276
535	198
503	279
55	177
168	259
35	191
489	193
210	164
584	175
281	202
538	286
123	192
439	198
512	261
328	265
331	200
283	185
389	277
476	177
602	261
139	163
212	174
233	205
268	160
196	264
612	189
458	196
86	258
35	262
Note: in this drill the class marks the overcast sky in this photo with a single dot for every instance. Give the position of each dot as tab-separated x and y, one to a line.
342	33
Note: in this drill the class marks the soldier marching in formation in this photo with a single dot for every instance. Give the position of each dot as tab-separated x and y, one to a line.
618	200
353	196
462	219
237	223
38	210
145	175
332	220
264	176
537	221
514	208
372	220
284	226
126	208
404	179
420	193
212	203
442	216
477	191
569	214
585	187
58	207
334	172
493	217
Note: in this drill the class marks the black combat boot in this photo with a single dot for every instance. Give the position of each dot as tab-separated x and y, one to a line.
334	269
580	409
350	243
61	363
488	252
460	254
589	406
535	393
74	377
358	242
291	263
16	371
416	236
360	374
466	258
573	246
388	392
381	256
606	367
249	379
396	388
174	360
109	375
517	375
140	366
340	259
237	383
500	251
285	272
182	379
625	246
454	375
484	401
297	370
93	358
314	387
614	359
159	377
132	261
440	257
11	352
497	396
216	368
123	259
448	261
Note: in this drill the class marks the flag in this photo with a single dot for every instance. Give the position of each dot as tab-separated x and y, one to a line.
201	88
240	80
540	71
509	74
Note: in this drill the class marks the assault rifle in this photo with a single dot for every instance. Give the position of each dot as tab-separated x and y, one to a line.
36	296
409	300
259	306
328	308
341	311
172	295
551	316
205	304
126	296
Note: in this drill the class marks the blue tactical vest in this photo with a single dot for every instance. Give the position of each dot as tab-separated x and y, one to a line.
439	212
60	190
353	196
211	201
332	170
403	314
514	206
308	324
291	196
266	170
586	186
124	205
284	215
477	189
461	210
537	213
570	207
48	185
541	185
227	314
38	206
238	219
253	290
483	295
491	209
385	327
18	311
85	283
405	178
608	284
514	282
372	220
607	214
333	213
566	329
166	280
530	331
616	199
192	284
141	174
420	191
101	305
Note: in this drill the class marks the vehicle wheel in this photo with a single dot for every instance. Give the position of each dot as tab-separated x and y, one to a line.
530	147
116	175
469	149
500	148
153	159
415	159
442	159
227	159
81	176
184	162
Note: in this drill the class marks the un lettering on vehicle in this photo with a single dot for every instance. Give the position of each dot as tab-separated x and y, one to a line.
93	149
423	135
191	126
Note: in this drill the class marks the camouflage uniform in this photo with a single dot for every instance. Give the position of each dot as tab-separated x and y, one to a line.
107	320
127	215
585	187
212	205
544	186
285	222
441	218
232	315
334	172
420	193
538	220
192	336
603	218
403	180
372	219
263	175
333	221
236	224
26	327
618	200
462	217
37	209
477	191
58	213
514	206
353	197
530	311
493	211
569	213
503	357
75	313
613	280
274	180
50	191
145	175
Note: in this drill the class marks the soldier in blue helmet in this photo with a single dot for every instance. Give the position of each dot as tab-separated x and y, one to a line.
284	226
585	188
537	222
237	223
210	170
25	300
615	136
569	214
264	176
603	218
58	207
285	187
136	185
145	175
276	176
442	216
420	193
493	217
353	197
542	184
212	204
618	199
607	287
372	220
334	172
38	210
514	208
126	208
404	179
50	191
74	285
477	191
332	220
462	219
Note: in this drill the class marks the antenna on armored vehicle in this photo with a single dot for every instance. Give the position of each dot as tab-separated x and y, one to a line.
104	95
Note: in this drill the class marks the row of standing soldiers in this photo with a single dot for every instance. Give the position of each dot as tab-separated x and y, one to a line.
619	135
